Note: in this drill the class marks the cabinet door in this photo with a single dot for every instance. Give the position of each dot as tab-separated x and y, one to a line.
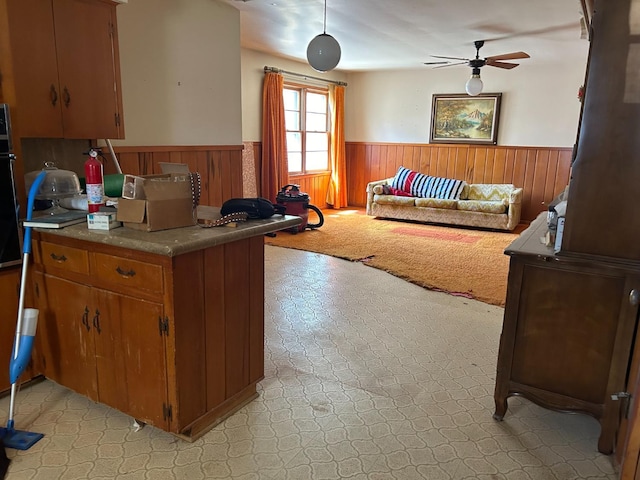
9	293
33	46
66	334
567	339
130	356
88	68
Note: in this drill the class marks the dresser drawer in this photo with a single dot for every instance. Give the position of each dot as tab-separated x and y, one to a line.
126	274
66	258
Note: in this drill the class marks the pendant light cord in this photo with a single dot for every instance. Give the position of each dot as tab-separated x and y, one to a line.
324	25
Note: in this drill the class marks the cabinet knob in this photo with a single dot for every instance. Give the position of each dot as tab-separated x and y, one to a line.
66	97
634	297
53	95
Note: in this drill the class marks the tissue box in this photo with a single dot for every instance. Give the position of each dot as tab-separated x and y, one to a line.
156	202
102	221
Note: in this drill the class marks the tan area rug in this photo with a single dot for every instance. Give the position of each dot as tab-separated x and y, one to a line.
460	261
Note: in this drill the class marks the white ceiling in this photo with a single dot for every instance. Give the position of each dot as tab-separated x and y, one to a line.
402	34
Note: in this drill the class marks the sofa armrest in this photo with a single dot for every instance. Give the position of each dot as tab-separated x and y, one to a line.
515	196
370	185
515	208
370	193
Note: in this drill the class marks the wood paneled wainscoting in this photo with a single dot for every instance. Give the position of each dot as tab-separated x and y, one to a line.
220	166
543	172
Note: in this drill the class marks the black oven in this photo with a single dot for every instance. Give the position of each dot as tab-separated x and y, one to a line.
10	232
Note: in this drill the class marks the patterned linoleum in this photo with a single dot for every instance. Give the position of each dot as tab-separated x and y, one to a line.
367	377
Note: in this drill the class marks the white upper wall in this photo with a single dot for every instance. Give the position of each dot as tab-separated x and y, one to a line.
181	74
539	104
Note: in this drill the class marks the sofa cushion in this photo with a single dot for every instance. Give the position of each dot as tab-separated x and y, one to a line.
490	191
426	186
484	206
394	200
436	203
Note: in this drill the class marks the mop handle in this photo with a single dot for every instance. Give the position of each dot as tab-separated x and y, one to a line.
26	250
33	191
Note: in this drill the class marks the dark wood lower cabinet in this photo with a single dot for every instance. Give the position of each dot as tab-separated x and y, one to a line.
568	333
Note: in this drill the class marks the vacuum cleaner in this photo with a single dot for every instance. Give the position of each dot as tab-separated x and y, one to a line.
23	343
297	203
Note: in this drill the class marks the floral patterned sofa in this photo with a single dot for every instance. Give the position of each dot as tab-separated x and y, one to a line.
486	205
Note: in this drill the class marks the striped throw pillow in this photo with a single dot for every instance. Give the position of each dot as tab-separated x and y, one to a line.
426	186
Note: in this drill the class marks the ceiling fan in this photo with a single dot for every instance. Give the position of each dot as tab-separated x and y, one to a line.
474	84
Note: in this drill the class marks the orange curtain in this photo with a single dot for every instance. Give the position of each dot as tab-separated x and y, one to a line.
274	168
337	193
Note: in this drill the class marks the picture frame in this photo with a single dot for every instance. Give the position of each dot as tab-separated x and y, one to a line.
460	118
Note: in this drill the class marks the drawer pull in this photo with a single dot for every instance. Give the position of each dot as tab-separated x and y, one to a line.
85	318
58	258
53	95
634	297
66	97
96	321
130	273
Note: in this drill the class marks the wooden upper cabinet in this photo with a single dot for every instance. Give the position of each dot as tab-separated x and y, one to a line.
66	68
33	48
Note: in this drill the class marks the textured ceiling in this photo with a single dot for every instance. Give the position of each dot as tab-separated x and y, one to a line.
402	34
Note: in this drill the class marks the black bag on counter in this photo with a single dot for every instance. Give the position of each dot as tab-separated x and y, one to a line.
253	207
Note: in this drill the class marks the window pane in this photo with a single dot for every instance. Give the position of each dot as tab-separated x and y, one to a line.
294	142
316	122
317	142
316	103
295	162
291	99
292	120
317	161
307	123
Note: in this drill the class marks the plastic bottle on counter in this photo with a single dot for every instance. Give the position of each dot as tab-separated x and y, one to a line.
94	182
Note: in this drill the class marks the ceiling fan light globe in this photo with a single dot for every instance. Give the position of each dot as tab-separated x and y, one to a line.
474	85
323	53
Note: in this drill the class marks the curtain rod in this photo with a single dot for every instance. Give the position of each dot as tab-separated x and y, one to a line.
278	70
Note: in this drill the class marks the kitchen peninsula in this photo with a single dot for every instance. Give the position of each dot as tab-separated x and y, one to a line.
167	326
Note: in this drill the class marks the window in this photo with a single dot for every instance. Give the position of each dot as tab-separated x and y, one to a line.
307	123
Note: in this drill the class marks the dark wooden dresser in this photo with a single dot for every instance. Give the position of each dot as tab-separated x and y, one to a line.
568	331
570	323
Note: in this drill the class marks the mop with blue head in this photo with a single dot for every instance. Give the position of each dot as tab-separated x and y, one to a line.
23	343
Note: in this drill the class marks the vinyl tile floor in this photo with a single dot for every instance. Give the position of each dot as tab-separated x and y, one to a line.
366	377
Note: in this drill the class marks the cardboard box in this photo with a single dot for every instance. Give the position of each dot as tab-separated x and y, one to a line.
102	221
156	202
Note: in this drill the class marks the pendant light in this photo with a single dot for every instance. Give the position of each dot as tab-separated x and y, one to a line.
323	52
474	84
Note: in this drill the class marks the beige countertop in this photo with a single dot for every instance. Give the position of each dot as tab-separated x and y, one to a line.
177	241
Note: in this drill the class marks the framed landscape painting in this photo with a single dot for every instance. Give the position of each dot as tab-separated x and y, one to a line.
460	118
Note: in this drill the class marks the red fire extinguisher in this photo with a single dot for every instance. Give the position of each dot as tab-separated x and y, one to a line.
94	181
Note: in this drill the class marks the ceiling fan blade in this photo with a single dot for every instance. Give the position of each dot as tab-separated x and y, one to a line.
435	63
509	56
506	65
502	34
450	58
452	64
